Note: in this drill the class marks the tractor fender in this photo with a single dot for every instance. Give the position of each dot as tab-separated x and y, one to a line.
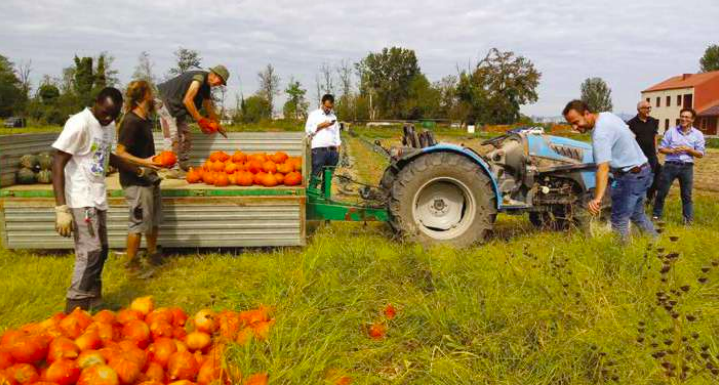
444	147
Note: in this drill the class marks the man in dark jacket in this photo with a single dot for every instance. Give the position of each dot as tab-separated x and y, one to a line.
646	131
182	97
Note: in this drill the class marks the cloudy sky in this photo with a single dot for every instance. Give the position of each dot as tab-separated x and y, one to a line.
630	43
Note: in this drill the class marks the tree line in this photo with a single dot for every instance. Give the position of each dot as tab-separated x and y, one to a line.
388	84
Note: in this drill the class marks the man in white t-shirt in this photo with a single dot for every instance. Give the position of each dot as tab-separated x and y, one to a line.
79	168
324	132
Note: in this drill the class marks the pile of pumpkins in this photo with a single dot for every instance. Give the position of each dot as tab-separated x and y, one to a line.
239	169
35	168
136	345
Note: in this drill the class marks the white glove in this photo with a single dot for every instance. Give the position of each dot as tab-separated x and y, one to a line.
63	221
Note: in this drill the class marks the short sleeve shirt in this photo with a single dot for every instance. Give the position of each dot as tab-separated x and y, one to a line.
90	145
172	92
645	132
613	142
135	133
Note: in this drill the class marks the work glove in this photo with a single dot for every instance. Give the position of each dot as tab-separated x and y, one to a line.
63	221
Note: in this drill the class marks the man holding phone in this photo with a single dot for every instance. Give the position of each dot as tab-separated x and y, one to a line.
324	132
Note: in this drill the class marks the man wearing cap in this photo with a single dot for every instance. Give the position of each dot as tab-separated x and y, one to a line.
184	96
615	150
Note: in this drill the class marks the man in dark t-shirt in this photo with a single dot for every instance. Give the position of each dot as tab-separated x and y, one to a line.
142	190
646	131
183	97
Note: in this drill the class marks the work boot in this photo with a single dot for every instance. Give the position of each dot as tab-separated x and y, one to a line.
71	304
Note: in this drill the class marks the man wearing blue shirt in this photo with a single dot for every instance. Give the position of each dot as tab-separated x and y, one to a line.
681	145
615	149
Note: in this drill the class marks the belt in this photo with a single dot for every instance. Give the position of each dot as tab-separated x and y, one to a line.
679	163
330	148
633	170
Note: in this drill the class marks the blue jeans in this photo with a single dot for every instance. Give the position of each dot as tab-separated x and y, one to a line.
685	173
323	157
628	193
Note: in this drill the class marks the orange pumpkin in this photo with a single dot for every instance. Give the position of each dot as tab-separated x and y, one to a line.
98	375
193	176
210	371
178	316
254	166
239	157
245	178
107	332
22	374
165	159
221	179
198	341
90	358
126	367
257	179
138	332
257	379
218	166
296	162
126	315
269	167
28	349
105	316
285	168
5	360
230	168
280	178
62	347
89	341
279	157
161	350
155	372
209	177
75	323
160	328
218	156
207	166
268	180
182	366
232	178
293	179
62	372
205	321
144	305
260	157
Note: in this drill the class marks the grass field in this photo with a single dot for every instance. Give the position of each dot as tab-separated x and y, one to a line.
529	307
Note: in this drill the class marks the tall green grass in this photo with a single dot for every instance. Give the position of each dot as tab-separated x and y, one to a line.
529	307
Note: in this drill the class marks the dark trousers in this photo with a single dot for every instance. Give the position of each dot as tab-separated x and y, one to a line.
628	193
657	170
685	173
324	157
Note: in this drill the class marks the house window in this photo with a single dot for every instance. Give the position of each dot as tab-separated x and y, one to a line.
669	101
649	100
666	124
659	102
679	100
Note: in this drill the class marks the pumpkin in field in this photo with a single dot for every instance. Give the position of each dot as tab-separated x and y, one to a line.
161	328
44	177
218	166
258	157
98	375
257	178
62	372
26	176
182	366
221	180
126	315
269	167
62	347
179	317
257	379
239	157
209	177
230	168
293	179
219	156
232	178
205	321
285	168
193	176
90	358
280	178
128	369
5	359
254	166
161	350
138	332
165	159
144	305
22	374
198	341
155	372
105	316
245	179
28	349
90	340
268	180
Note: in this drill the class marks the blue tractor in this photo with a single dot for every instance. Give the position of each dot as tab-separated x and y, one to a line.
447	193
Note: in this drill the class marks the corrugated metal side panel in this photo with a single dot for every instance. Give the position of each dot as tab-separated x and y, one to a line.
189	222
12	147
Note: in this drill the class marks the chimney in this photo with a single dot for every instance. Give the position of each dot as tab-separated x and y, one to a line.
686	76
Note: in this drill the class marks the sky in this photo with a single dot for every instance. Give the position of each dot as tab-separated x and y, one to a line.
631	44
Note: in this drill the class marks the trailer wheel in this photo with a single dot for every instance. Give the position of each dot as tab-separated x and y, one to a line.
442	198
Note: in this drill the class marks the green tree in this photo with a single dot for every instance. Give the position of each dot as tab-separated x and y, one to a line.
387	75
710	61
11	92
84	80
497	87
447	89
422	99
255	109
186	60
597	94
100	75
296	106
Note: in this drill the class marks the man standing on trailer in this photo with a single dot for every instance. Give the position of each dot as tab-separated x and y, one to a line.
615	150
324	132
182	97
646	131
78	177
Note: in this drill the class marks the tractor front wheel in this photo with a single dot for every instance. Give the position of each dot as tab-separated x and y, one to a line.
442	198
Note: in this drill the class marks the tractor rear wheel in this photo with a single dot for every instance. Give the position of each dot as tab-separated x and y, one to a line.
442	198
